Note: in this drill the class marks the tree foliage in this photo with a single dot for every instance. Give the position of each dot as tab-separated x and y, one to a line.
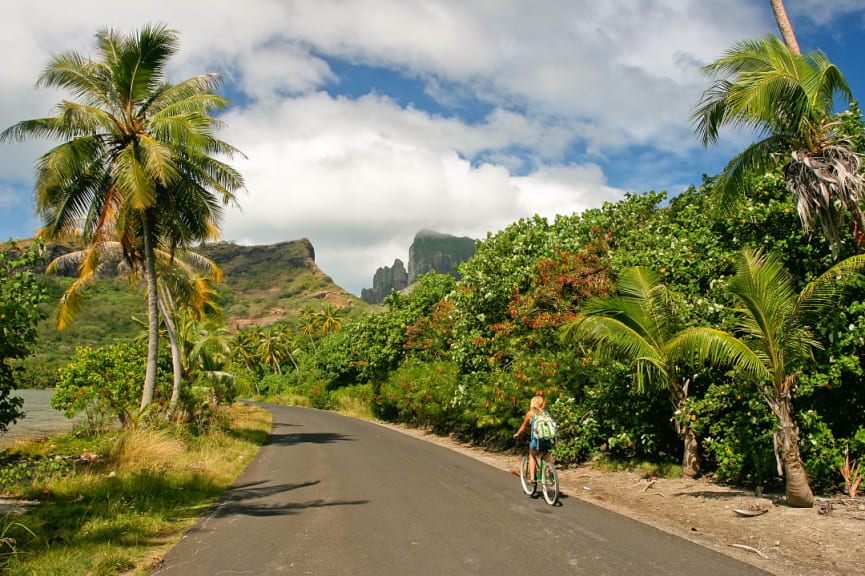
20	296
137	163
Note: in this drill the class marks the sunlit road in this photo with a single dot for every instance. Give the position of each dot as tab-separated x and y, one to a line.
333	495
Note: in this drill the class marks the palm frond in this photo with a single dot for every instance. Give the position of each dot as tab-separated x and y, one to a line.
718	348
820	292
132	179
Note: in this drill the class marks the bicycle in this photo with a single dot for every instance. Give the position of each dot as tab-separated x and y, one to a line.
545	475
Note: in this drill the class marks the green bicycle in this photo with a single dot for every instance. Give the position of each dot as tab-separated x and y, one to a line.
545	476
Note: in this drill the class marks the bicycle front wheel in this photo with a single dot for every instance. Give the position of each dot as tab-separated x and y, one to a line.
525	479
550	482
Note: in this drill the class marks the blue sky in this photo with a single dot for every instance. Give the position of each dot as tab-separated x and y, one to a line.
366	121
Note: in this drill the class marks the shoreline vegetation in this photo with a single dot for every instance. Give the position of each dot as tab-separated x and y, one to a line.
137	489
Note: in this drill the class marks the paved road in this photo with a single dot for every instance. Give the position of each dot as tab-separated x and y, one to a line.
334	495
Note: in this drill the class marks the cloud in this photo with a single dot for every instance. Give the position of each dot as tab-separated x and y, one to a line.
528	107
823	13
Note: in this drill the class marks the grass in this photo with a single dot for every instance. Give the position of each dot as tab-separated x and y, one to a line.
647	469
120	512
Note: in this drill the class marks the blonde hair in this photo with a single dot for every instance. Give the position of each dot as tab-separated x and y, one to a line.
538	403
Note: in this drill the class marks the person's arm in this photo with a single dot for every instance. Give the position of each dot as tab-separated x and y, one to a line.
526	421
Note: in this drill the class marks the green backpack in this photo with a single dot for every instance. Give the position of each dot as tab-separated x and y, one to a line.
544	427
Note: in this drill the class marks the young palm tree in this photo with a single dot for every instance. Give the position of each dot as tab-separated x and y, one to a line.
772	345
137	155
788	99
638	324
205	350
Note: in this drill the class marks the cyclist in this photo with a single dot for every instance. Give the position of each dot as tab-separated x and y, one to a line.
536	407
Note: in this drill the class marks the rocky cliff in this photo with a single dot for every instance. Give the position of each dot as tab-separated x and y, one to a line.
386	279
430	251
440	252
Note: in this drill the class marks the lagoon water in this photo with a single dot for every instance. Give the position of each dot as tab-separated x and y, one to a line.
39	420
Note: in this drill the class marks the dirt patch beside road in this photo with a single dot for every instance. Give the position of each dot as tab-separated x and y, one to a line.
825	540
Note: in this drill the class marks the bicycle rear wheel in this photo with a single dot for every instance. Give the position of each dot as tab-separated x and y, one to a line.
550	482
525	479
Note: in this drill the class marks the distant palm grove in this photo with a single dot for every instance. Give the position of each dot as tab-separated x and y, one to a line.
721	330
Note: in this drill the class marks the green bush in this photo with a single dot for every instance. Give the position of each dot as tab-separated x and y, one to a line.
420	393
105	383
578	431
273	384
820	452
736	431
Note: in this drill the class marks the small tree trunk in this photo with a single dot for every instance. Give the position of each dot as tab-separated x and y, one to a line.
798	491
691	448
691	456
784	26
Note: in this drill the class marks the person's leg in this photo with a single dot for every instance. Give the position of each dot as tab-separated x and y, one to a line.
533	456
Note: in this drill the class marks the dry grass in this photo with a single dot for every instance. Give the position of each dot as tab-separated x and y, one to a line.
145	449
354	407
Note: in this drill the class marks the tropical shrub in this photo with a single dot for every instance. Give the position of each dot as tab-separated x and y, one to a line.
105	383
579	431
20	296
821	453
736	427
425	394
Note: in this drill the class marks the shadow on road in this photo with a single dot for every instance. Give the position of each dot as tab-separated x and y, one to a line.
263	490
716	494
239	499
310	438
246	509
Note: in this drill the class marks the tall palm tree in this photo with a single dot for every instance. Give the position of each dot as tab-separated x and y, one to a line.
181	286
137	154
773	343
638	325
329	318
276	343
788	99
311	325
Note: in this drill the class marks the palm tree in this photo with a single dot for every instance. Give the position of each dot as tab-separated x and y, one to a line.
180	285
205	346
773	343
639	324
185	295
329	318
137	155
310	322
275	345
788	99
246	347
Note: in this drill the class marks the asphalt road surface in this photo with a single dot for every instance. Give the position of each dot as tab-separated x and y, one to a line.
329	494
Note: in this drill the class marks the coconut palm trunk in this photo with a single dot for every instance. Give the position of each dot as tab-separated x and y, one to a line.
784	26
797	490
152	315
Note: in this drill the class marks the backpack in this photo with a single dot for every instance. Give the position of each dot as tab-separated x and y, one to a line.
544	427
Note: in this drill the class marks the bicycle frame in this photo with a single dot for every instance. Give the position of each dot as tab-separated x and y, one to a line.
545	476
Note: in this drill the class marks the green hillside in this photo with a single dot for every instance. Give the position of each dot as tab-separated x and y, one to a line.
262	285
